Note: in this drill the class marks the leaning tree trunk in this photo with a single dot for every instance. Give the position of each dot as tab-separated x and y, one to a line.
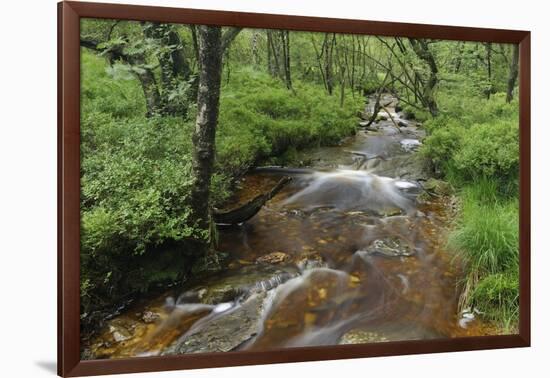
138	63
513	74
174	67
146	77
204	136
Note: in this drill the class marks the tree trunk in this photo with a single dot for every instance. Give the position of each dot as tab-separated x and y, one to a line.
195	39
254	43
270	67
212	46
328	63
352	82
513	73
285	39
319	61
342	86
153	102
146	77
458	59
489	88
273	56
204	136
422	51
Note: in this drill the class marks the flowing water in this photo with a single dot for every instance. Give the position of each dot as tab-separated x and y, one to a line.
346	253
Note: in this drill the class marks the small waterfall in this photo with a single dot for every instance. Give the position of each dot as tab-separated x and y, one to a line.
349	190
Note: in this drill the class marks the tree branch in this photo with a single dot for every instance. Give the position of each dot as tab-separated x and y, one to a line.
228	37
89	44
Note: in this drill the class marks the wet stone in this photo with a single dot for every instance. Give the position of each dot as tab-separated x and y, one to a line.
119	333
224	333
393	333
310	261
150	317
390	212
361	337
273	258
413	167
240	283
410	144
438	187
389	247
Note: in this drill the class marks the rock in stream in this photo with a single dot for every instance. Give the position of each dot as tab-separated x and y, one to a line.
239	283
225	332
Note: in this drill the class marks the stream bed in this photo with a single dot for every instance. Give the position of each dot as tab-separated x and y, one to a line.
353	250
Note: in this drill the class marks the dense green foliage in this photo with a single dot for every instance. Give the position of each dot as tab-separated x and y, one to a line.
470	143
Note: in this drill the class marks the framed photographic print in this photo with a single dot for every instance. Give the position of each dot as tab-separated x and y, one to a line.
239	188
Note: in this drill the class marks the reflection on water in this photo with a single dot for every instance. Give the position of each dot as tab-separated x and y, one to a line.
343	254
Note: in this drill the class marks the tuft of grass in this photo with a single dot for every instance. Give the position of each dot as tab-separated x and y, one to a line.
497	295
487	240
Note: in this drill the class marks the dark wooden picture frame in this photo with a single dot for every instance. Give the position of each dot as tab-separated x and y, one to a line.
69	14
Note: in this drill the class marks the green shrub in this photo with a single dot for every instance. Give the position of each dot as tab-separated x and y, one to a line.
411	112
489	150
107	91
470	110
256	124
444	140
135	184
475	139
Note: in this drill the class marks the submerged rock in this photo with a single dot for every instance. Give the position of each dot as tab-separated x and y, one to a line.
410	144
358	336
273	258
438	187
119	332
224	332
390	247
238	283
412	167
310	261
390	212
397	332
150	317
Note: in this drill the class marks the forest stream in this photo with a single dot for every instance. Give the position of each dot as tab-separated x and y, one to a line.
352	250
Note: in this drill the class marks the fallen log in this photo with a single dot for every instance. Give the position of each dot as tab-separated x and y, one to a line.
249	209
393	121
